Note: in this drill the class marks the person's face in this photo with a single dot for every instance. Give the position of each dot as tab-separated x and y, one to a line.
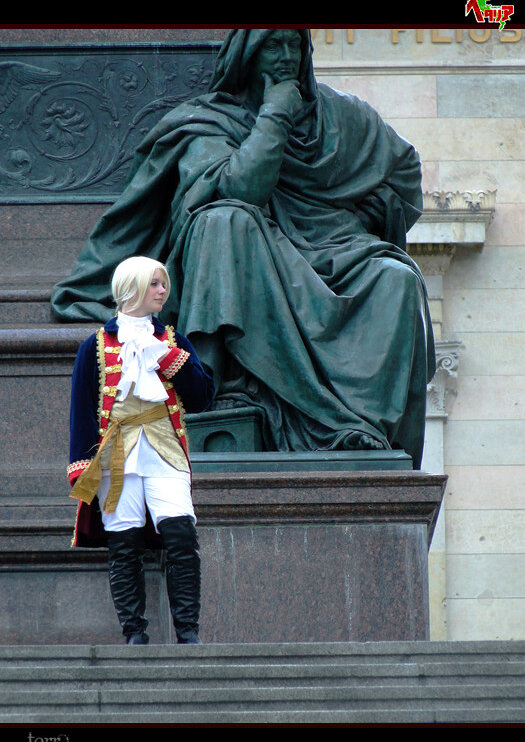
279	56
154	297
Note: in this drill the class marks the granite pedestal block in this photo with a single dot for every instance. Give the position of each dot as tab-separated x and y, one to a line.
316	556
293	556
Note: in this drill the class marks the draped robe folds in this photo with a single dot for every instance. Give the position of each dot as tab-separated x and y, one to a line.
307	306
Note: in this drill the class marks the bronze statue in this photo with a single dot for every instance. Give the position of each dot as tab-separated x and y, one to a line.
280	208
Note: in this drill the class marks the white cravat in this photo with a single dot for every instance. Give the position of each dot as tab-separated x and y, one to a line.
139	355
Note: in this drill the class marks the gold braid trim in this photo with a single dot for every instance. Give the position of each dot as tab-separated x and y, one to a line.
78	466
182	430
177	364
171	336
101	360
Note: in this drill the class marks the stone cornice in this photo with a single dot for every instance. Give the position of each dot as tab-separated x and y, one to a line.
464	205
451	219
390	68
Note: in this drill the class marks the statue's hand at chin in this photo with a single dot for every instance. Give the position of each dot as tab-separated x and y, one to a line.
283	93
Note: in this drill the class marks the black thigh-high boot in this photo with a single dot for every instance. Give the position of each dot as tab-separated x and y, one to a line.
127	582
183	576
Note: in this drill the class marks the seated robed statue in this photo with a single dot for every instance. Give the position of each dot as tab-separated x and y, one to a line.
280	207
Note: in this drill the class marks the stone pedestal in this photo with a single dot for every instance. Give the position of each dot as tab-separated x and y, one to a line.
305	556
293	556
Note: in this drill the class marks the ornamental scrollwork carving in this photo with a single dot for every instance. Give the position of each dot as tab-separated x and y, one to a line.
71	118
447	361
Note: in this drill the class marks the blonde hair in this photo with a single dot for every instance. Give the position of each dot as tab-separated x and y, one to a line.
132	278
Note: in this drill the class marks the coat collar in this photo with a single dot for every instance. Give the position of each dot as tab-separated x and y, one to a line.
111	326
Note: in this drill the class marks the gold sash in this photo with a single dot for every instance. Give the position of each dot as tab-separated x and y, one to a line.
86	486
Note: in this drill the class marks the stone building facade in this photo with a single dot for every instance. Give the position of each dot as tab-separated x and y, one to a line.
456	95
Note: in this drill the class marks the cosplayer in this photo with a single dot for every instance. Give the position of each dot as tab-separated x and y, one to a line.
129	466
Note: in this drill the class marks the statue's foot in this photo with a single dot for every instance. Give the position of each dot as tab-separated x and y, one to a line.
358	441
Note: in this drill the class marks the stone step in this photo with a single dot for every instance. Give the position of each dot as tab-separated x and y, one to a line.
44	339
244	676
364	653
391	682
442	716
26	304
225	699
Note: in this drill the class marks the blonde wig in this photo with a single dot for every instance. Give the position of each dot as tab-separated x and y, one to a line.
132	278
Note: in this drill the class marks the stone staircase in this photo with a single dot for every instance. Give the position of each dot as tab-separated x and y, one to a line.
296	683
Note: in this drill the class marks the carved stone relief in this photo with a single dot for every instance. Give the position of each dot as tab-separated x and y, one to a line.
72	117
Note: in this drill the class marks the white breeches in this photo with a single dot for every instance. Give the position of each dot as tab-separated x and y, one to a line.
165	497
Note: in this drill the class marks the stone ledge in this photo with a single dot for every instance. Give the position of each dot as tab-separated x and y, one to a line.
252	498
248	460
26	340
319	497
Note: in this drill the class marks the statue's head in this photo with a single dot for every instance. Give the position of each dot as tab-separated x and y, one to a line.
280	52
278	56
